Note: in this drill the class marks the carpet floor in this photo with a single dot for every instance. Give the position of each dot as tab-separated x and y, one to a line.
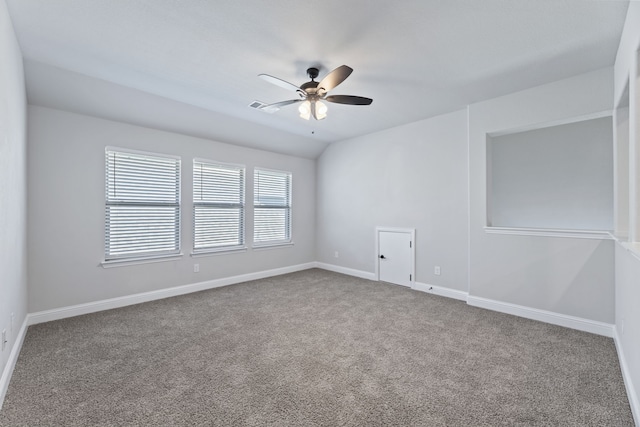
313	348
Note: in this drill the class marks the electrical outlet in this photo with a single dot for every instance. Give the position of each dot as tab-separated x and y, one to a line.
12	318
196	268
4	339
436	270
336	254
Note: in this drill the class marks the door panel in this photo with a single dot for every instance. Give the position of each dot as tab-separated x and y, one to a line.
394	257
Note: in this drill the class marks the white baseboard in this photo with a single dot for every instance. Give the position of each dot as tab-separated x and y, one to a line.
107	304
592	326
348	271
11	362
634	402
439	290
585	325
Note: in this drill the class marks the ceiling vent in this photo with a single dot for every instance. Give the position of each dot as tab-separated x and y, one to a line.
259	105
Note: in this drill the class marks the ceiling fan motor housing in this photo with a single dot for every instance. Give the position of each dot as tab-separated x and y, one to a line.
313	72
310	87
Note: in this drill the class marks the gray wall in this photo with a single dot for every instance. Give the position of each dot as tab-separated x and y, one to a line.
412	176
563	275
627	270
556	177
627	313
66	210
13	198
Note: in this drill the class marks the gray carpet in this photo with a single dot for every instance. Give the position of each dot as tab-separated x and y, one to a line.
313	348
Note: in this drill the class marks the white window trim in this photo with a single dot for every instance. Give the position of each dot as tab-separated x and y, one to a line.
123	262
275	245
221	251
143	153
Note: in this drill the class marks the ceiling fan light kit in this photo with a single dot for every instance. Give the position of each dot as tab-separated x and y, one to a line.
307	107
312	93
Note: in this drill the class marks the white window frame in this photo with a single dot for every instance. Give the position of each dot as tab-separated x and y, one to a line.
115	257
258	205
199	202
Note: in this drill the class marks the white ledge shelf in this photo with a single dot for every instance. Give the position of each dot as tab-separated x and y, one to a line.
550	232
632	247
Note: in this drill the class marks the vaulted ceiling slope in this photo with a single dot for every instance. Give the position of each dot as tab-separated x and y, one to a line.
191	66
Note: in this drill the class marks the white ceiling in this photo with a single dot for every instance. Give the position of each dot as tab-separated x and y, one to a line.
191	66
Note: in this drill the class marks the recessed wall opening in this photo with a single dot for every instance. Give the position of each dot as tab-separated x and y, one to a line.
558	177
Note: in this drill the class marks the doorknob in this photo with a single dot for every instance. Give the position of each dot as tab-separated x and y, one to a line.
382	257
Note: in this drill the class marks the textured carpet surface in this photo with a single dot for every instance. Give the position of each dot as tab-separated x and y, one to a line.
313	348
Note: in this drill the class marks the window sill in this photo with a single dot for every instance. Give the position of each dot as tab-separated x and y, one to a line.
218	252
135	261
550	232
259	247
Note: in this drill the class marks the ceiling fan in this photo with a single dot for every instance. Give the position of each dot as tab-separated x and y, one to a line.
312	93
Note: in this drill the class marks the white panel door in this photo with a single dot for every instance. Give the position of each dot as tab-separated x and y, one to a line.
395	257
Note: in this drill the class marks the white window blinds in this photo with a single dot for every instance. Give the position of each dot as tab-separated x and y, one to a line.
218	206
272	207
142	210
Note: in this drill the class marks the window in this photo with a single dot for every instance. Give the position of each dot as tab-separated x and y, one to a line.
272	207
142	210
218	206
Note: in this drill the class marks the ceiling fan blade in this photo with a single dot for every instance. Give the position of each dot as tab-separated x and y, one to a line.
349	99
279	82
313	110
334	78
